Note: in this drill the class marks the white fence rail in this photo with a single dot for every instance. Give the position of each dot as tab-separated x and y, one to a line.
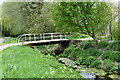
43	36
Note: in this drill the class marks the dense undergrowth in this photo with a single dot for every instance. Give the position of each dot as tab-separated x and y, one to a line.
25	62
105	55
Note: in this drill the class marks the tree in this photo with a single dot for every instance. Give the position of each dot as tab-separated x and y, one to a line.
29	17
84	17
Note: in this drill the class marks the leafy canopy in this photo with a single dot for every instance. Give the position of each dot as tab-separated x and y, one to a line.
84	17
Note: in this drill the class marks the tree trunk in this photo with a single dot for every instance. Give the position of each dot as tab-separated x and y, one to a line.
110	30
95	39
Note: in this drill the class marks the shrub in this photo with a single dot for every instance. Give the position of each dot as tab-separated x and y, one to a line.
115	56
67	51
89	60
75	53
108	64
102	44
96	64
115	45
93	52
80	60
112	55
116	67
87	44
106	54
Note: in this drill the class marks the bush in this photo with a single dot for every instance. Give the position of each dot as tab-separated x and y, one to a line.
115	45
87	44
67	51
80	61
75	53
96	64
93	52
106	54
89	60
108	64
115	56
102	44
112	55
116	67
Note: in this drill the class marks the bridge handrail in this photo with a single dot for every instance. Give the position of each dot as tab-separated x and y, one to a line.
42	36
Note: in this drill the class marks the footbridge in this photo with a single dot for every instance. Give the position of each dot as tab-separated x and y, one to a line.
44	38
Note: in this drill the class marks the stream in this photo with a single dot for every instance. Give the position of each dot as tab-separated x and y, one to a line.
89	73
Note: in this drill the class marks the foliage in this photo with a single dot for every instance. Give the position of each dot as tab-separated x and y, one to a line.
79	36
106	54
115	56
115	30
116	67
89	60
85	17
30	17
75	53
108	64
87	44
67	51
80	61
102	44
24	62
93	52
95	63
90	54
112	55
115	45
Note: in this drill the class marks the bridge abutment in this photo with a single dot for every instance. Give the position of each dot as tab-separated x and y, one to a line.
61	47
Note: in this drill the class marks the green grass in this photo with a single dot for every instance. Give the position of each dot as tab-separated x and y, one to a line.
24	62
8	40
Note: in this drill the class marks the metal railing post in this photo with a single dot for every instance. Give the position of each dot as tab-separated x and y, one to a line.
51	36
29	37
60	36
34	37
43	36
25	37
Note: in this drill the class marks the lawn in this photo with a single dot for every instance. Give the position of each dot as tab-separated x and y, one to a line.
25	62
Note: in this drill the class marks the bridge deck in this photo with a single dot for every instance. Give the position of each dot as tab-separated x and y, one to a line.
54	41
46	42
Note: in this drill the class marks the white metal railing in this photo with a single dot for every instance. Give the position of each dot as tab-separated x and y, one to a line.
43	36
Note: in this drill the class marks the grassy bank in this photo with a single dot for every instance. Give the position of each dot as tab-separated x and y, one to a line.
24	62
